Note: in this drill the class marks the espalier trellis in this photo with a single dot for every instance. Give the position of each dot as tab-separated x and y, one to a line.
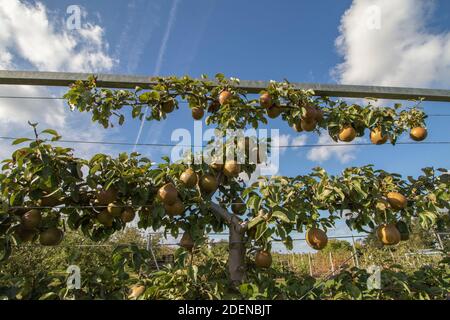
239	111
45	189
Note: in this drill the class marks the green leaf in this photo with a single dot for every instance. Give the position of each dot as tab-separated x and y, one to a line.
254	222
51	131
281	215
49	296
261	230
20	140
94	169
254	202
194	272
220	76
121	119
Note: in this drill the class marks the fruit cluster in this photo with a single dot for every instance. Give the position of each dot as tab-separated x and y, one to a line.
45	189
230	108
366	198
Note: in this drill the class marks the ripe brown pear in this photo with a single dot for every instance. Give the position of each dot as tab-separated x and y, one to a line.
168	106
25	235
213	106
225	97
273	111
208	183
238	206
316	238
114	209
215	165
189	178
104	197
231	168
51	237
128	215
347	134
198	113
186	241
310	113
168	194
265	100
418	134
31	219
388	234
297	126
376	137
397	200
319	115
263	259
176	209
105	218
136	291
308	125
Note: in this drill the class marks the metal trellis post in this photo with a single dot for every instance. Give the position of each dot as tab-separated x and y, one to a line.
39	78
150	248
354	252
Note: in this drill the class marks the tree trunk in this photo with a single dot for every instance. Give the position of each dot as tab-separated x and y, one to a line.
236	257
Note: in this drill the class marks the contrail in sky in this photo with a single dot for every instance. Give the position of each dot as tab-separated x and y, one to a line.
161	53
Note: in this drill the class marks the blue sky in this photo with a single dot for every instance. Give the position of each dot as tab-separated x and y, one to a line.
253	40
264	40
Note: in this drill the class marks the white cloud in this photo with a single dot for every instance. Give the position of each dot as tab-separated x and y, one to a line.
284	140
19	111
5	60
280	140
30	40
26	30
344	154
402	52
299	140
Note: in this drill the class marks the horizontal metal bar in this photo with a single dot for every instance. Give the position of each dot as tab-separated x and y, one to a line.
127	82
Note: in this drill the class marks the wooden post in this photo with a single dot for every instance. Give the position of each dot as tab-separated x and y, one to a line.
355	255
294	267
310	265
331	263
438	237
150	248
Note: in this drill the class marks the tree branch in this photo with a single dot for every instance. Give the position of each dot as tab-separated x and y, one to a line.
221	213
230	219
